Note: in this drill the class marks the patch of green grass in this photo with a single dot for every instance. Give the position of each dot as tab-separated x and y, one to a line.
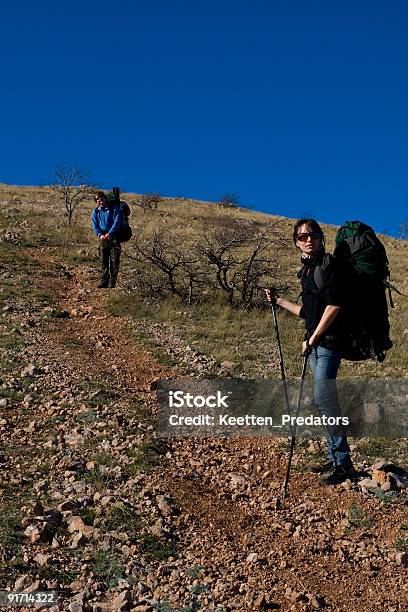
394	449
194	571
126	305
71	342
157	548
124	519
11	570
104	458
99	479
358	518
401	544
391	497
11	532
63	575
88	515
146	456
10	338
88	416
56	313
107	568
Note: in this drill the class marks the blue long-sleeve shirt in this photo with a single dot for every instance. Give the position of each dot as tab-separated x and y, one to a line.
106	220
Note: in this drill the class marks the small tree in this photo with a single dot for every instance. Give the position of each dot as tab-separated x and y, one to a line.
229	200
403	233
149	201
73	186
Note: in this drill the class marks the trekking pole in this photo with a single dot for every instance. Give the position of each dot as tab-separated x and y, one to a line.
281	362
294	428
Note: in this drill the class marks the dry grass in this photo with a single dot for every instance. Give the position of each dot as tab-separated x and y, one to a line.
229	334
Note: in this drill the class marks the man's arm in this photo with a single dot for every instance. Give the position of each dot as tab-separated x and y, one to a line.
95	223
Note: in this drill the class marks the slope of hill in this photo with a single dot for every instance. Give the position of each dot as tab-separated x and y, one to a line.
96	506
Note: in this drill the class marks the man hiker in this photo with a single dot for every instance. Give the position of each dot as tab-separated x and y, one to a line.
106	222
320	309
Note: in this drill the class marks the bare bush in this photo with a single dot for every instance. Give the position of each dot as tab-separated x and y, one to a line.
162	251
219	250
229	200
403	233
149	201
73	186
237	260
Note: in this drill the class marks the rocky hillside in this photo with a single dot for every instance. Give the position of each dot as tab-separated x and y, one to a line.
97	507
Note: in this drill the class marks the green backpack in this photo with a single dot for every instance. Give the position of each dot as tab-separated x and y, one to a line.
362	265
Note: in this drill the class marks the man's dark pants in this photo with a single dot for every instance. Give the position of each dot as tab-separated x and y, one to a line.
109	255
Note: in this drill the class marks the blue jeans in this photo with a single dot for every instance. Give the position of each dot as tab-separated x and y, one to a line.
325	363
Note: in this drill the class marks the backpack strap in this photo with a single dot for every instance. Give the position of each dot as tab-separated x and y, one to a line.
321	270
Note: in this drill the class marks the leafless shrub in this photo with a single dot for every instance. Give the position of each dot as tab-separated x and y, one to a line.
403	233
163	251
244	258
237	260
72	185
149	201
229	200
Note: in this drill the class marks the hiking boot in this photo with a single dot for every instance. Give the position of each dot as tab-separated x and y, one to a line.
337	475
319	467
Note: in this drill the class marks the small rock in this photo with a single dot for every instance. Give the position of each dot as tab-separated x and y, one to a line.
33	533
367	484
293	596
29	370
316	602
21	582
260	602
396	481
252	558
379	476
401	559
3	402
34	586
41	559
120	599
379	464
78	540
68	505
163	505
236	479
75	524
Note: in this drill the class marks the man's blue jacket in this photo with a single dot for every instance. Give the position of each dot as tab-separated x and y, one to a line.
106	220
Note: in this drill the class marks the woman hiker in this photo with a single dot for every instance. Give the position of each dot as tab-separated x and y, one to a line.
320	309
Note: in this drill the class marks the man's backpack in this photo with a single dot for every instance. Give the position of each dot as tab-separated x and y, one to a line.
362	265
125	231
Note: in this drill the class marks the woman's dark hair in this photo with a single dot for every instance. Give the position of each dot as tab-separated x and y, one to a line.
313	226
99	194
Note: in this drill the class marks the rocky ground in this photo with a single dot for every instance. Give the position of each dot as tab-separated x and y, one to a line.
99	508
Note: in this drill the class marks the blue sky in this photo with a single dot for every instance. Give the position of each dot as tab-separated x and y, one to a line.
300	107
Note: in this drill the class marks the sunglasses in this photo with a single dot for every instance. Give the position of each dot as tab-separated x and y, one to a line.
305	236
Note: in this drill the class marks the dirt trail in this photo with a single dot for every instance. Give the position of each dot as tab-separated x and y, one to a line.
211	502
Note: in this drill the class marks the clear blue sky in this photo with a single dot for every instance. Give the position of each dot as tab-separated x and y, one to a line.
298	106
